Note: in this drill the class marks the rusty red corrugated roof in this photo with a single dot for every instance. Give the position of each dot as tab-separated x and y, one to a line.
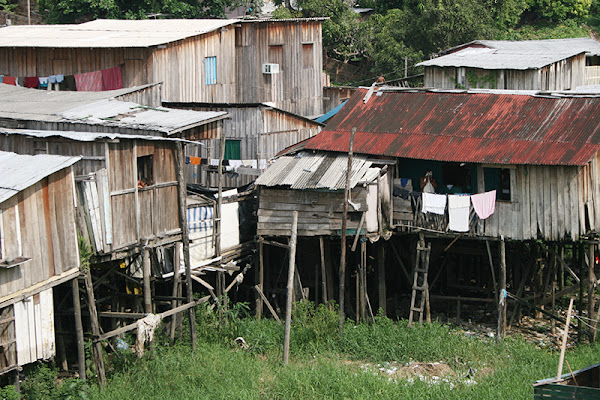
468	127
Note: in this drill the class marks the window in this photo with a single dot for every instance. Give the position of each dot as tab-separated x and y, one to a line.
498	179
210	70
144	167
232	150
307	55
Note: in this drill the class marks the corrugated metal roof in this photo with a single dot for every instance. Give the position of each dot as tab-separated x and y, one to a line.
96	108
315	171
312	19
519	55
109	33
468	127
18	172
113	112
88	136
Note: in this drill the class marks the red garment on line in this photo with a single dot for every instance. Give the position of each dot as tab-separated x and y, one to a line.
31	82
9	80
112	78
89	82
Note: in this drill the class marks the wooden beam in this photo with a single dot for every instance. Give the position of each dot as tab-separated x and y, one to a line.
381	276
97	348
502	294
146	278
564	265
323	270
563	346
78	329
360	225
260	277
203	282
290	286
165	314
262	295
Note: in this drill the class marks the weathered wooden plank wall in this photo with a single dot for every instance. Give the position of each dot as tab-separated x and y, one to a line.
296	47
39	223
319	212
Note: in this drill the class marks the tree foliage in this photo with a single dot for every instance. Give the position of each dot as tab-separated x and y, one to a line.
77	11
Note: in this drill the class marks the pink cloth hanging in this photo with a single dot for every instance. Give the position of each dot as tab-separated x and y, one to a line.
89	81
484	204
112	78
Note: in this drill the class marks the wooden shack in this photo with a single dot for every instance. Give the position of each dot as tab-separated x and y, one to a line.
539	151
126	185
197	60
553	64
254	133
38	251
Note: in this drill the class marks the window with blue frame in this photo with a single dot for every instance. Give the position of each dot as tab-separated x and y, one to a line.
210	70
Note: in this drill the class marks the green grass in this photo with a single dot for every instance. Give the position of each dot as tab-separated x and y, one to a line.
325	365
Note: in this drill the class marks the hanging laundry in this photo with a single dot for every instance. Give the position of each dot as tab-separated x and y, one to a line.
9	80
31	82
1	77
43	82
193	160
458	213
68	84
484	204
235	163
214	162
250	163
112	78
89	81
434	203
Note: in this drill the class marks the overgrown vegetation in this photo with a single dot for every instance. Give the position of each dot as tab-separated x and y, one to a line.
323	363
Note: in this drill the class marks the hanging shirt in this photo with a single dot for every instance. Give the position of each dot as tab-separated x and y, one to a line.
112	79
43	82
31	82
484	204
89	81
434	203
458	213
9	80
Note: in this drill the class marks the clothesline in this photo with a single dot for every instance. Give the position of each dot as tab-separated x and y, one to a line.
95	81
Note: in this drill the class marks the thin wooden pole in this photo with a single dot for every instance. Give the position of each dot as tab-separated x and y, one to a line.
502	294
581	253
489	252
323	270
78	329
260	278
591	289
363	280
344	223
185	238
381	270
176	289
97	348
146	278
563	347
290	288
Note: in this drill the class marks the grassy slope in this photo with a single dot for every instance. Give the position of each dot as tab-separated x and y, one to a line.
320	366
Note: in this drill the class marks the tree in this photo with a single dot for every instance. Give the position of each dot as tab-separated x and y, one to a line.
77	11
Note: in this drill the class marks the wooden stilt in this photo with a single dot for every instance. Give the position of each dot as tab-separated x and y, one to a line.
357	281
260	278
489	252
78	329
563	347
343	240
581	259
97	348
502	295
266	301
61	355
323	270
381	277
591	287
363	280
185	238
176	292
146	278
290	286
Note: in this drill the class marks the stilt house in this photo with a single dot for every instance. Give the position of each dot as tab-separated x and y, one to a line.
553	64
539	151
38	251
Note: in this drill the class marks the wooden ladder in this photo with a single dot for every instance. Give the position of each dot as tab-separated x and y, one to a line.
420	288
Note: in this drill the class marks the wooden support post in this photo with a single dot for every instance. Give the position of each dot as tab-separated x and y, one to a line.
261	294
323	270
563	347
581	258
381	277
146	278
176	292
61	355
502	294
260	278
97	348
363	280
489	252
185	238
591	287
290	287
344	224
357	281
78	329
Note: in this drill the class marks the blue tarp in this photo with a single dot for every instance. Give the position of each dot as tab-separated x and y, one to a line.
330	114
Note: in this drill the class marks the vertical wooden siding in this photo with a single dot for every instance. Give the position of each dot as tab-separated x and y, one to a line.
41	219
